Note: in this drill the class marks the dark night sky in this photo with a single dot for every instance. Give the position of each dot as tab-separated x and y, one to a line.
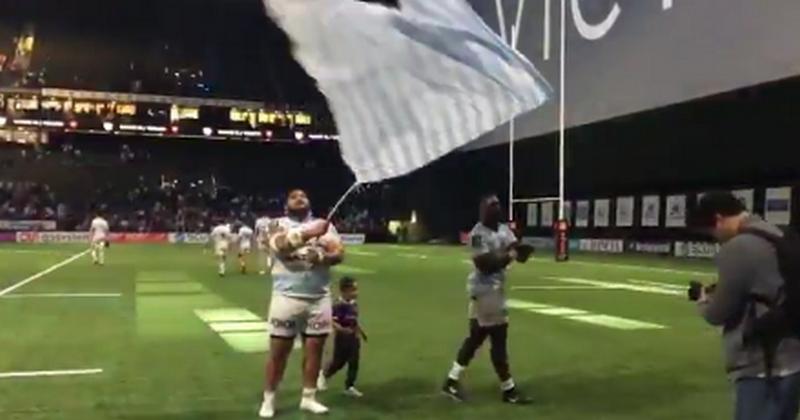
243	54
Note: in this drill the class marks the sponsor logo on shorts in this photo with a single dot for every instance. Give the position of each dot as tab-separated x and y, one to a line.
319	325
281	323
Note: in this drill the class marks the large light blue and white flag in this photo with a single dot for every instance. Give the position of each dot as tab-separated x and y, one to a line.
407	85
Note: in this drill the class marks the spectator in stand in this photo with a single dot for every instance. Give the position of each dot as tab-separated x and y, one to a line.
161	204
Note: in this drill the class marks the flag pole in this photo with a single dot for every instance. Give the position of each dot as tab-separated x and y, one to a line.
562	111
501	17
511	40
501	21
511	135
341	200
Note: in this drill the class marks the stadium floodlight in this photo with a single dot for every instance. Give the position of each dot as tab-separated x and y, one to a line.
3	121
299	135
73	124
208	131
174	129
108	126
268	134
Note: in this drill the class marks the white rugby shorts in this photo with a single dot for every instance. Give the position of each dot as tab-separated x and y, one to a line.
221	248
289	316
489	309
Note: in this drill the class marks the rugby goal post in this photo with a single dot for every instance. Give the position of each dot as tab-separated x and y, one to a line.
561	225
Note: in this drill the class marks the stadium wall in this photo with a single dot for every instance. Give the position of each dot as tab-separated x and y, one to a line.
680	249
35	237
653	217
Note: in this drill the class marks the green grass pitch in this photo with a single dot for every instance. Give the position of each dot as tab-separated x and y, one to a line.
596	338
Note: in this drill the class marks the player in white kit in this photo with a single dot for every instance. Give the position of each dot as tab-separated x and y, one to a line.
244	238
262	237
493	246
221	238
98	239
304	249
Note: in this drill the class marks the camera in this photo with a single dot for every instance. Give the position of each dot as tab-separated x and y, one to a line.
696	290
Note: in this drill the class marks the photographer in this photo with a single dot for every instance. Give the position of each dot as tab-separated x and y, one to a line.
767	386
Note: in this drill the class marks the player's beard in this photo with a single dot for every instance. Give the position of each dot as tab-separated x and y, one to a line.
299	214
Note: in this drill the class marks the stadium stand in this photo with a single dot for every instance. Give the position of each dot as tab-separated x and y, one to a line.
147	186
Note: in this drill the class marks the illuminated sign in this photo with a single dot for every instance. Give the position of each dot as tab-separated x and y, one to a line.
239	133
89	107
126	109
38	123
243	115
265	117
25	104
41	110
52	104
178	113
316	136
283	118
143	128
301	118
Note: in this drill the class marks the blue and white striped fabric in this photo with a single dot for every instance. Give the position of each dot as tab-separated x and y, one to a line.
407	85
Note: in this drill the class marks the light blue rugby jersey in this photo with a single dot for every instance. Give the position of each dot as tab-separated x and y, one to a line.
300	279
483	240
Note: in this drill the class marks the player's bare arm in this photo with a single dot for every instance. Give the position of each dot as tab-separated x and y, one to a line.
325	254
333	254
285	242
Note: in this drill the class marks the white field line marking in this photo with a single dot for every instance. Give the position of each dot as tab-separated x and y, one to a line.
362	253
634	267
558	288
468	262
41	274
680	287
349	269
240	328
618	286
583	316
28	251
558	311
62	295
615	322
417	256
39	373
251	326
226	315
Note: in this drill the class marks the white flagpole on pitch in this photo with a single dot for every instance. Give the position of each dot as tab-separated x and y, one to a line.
341	200
516	29
511	40
562	110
